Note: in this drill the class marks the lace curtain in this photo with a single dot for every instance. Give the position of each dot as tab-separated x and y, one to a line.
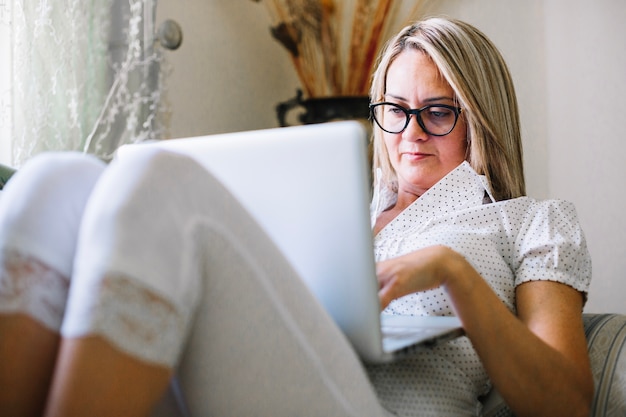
78	75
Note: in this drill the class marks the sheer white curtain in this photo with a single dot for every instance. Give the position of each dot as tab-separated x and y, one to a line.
5	77
77	75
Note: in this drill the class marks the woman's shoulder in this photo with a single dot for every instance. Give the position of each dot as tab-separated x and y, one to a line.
550	243
527	218
532	207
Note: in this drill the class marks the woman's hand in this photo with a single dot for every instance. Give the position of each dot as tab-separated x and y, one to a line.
421	270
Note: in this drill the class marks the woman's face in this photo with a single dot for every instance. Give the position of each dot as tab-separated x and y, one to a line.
419	159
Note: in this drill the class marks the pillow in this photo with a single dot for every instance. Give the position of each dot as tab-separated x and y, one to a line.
5	174
606	340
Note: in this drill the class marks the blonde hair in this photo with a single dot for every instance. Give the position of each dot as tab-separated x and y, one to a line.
479	77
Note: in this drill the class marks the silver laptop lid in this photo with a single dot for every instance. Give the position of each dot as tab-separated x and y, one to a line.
307	186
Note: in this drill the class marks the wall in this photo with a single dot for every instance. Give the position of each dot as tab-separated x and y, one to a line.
585	90
228	74
567	60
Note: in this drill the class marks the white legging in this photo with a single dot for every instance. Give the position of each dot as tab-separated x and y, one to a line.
169	268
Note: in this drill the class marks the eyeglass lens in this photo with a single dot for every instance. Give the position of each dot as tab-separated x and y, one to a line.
435	120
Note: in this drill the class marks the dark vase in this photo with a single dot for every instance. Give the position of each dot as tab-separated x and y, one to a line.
324	109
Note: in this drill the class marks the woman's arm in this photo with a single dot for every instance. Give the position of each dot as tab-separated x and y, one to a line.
538	360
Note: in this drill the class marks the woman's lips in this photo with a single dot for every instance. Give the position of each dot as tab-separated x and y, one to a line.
415	156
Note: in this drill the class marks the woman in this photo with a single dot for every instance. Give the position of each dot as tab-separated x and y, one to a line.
453	236
466	101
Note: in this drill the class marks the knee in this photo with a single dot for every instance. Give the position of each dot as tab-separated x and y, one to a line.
146	192
137	223
149	181
51	179
42	204
154	167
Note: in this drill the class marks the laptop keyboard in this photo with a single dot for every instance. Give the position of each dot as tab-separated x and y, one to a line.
398	332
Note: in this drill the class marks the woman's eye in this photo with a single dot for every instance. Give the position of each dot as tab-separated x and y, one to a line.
439	112
395	110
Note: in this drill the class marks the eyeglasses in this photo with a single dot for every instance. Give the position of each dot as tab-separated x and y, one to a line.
435	120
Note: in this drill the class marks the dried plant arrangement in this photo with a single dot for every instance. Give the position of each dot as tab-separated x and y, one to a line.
334	44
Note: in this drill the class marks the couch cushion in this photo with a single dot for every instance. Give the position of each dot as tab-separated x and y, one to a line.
606	339
5	173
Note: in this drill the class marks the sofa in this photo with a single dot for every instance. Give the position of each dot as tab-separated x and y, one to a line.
606	341
5	174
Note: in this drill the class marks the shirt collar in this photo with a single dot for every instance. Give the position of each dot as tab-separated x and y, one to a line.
461	188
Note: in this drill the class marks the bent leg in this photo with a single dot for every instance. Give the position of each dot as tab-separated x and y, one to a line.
259	344
95	378
40	211
27	353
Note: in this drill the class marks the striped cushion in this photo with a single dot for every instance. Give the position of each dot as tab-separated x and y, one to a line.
606	339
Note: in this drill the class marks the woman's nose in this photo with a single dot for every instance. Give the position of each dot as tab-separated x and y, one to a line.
414	131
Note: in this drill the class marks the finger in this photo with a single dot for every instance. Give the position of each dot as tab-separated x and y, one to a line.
384	298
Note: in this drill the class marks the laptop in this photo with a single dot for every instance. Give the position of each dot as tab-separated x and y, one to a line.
308	188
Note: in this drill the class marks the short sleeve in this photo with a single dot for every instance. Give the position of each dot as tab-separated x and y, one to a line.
551	246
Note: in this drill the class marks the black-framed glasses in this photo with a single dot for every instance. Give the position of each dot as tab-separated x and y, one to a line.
434	119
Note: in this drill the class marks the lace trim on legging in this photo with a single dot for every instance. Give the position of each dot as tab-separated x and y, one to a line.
30	287
137	320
